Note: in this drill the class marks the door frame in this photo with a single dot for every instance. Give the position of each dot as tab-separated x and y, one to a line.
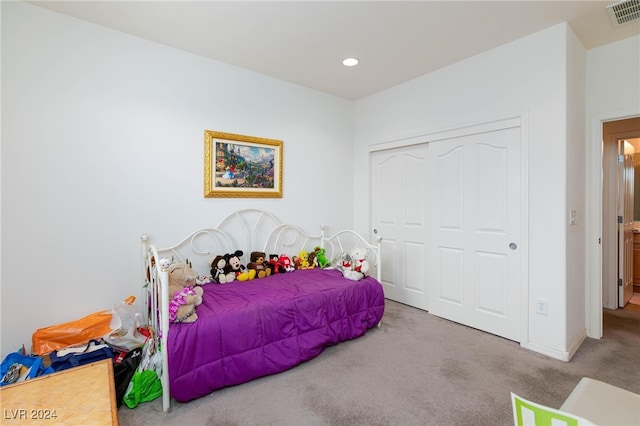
497	123
625	229
594	212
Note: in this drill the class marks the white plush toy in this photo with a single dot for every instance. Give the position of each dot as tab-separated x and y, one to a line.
164	263
359	266
204	280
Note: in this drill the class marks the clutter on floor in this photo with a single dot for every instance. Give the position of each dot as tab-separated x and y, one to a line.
117	336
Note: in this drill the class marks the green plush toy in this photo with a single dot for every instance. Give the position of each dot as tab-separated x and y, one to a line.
321	256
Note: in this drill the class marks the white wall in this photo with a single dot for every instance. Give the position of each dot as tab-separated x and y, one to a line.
612	77
103	139
613	92
575	190
526	78
98	125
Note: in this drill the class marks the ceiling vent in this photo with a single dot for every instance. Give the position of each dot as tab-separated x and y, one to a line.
624	11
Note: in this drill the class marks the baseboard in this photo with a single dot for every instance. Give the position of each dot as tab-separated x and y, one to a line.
553	353
577	342
560	355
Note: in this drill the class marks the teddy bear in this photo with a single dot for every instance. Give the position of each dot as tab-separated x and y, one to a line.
235	266
258	264
355	265
184	294
219	273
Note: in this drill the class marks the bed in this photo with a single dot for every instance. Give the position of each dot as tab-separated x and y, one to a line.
250	329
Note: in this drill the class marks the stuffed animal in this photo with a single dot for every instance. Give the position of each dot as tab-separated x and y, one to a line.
285	263
164	263
303	257
358	266
235	266
274	263
204	280
258	263
321	256
295	262
344	262
219	273
360	263
183	292
312	260
182	308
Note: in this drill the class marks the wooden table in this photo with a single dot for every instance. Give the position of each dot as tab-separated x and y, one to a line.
603	404
82	395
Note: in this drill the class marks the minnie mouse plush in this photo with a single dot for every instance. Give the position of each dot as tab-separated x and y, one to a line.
218	272
274	262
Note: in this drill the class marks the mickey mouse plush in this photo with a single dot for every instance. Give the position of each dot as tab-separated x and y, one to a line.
235	266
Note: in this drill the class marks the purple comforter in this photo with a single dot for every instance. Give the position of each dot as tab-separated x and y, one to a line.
251	329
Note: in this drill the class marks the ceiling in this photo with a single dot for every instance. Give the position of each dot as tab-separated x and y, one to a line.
304	42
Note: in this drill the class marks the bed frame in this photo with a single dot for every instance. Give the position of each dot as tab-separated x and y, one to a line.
248	230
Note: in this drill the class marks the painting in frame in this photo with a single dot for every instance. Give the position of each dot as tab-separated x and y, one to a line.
241	166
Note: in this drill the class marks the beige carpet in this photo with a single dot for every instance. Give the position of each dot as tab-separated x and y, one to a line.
635	300
416	369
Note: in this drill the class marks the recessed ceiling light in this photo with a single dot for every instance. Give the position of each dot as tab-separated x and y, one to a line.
350	62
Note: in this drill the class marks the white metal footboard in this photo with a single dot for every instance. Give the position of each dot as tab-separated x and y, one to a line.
346	241
156	308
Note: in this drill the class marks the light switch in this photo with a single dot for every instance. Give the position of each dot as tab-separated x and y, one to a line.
572	216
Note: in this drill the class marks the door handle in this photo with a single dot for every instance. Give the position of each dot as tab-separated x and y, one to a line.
513	246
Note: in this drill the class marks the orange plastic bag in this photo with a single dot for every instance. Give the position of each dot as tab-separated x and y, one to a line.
49	339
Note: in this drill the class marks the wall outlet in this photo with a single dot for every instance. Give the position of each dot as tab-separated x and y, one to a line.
573	216
542	307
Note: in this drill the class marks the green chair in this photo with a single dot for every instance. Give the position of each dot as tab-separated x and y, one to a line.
527	413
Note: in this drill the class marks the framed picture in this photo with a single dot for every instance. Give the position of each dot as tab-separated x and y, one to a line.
241	166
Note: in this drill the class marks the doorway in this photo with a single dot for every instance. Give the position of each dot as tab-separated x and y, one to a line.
612	132
602	232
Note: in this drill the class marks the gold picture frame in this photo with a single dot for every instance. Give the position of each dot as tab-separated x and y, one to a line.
241	166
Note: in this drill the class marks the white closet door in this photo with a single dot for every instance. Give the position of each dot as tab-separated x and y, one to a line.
475	230
399	194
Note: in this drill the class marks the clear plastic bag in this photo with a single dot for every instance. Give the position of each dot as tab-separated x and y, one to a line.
124	335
